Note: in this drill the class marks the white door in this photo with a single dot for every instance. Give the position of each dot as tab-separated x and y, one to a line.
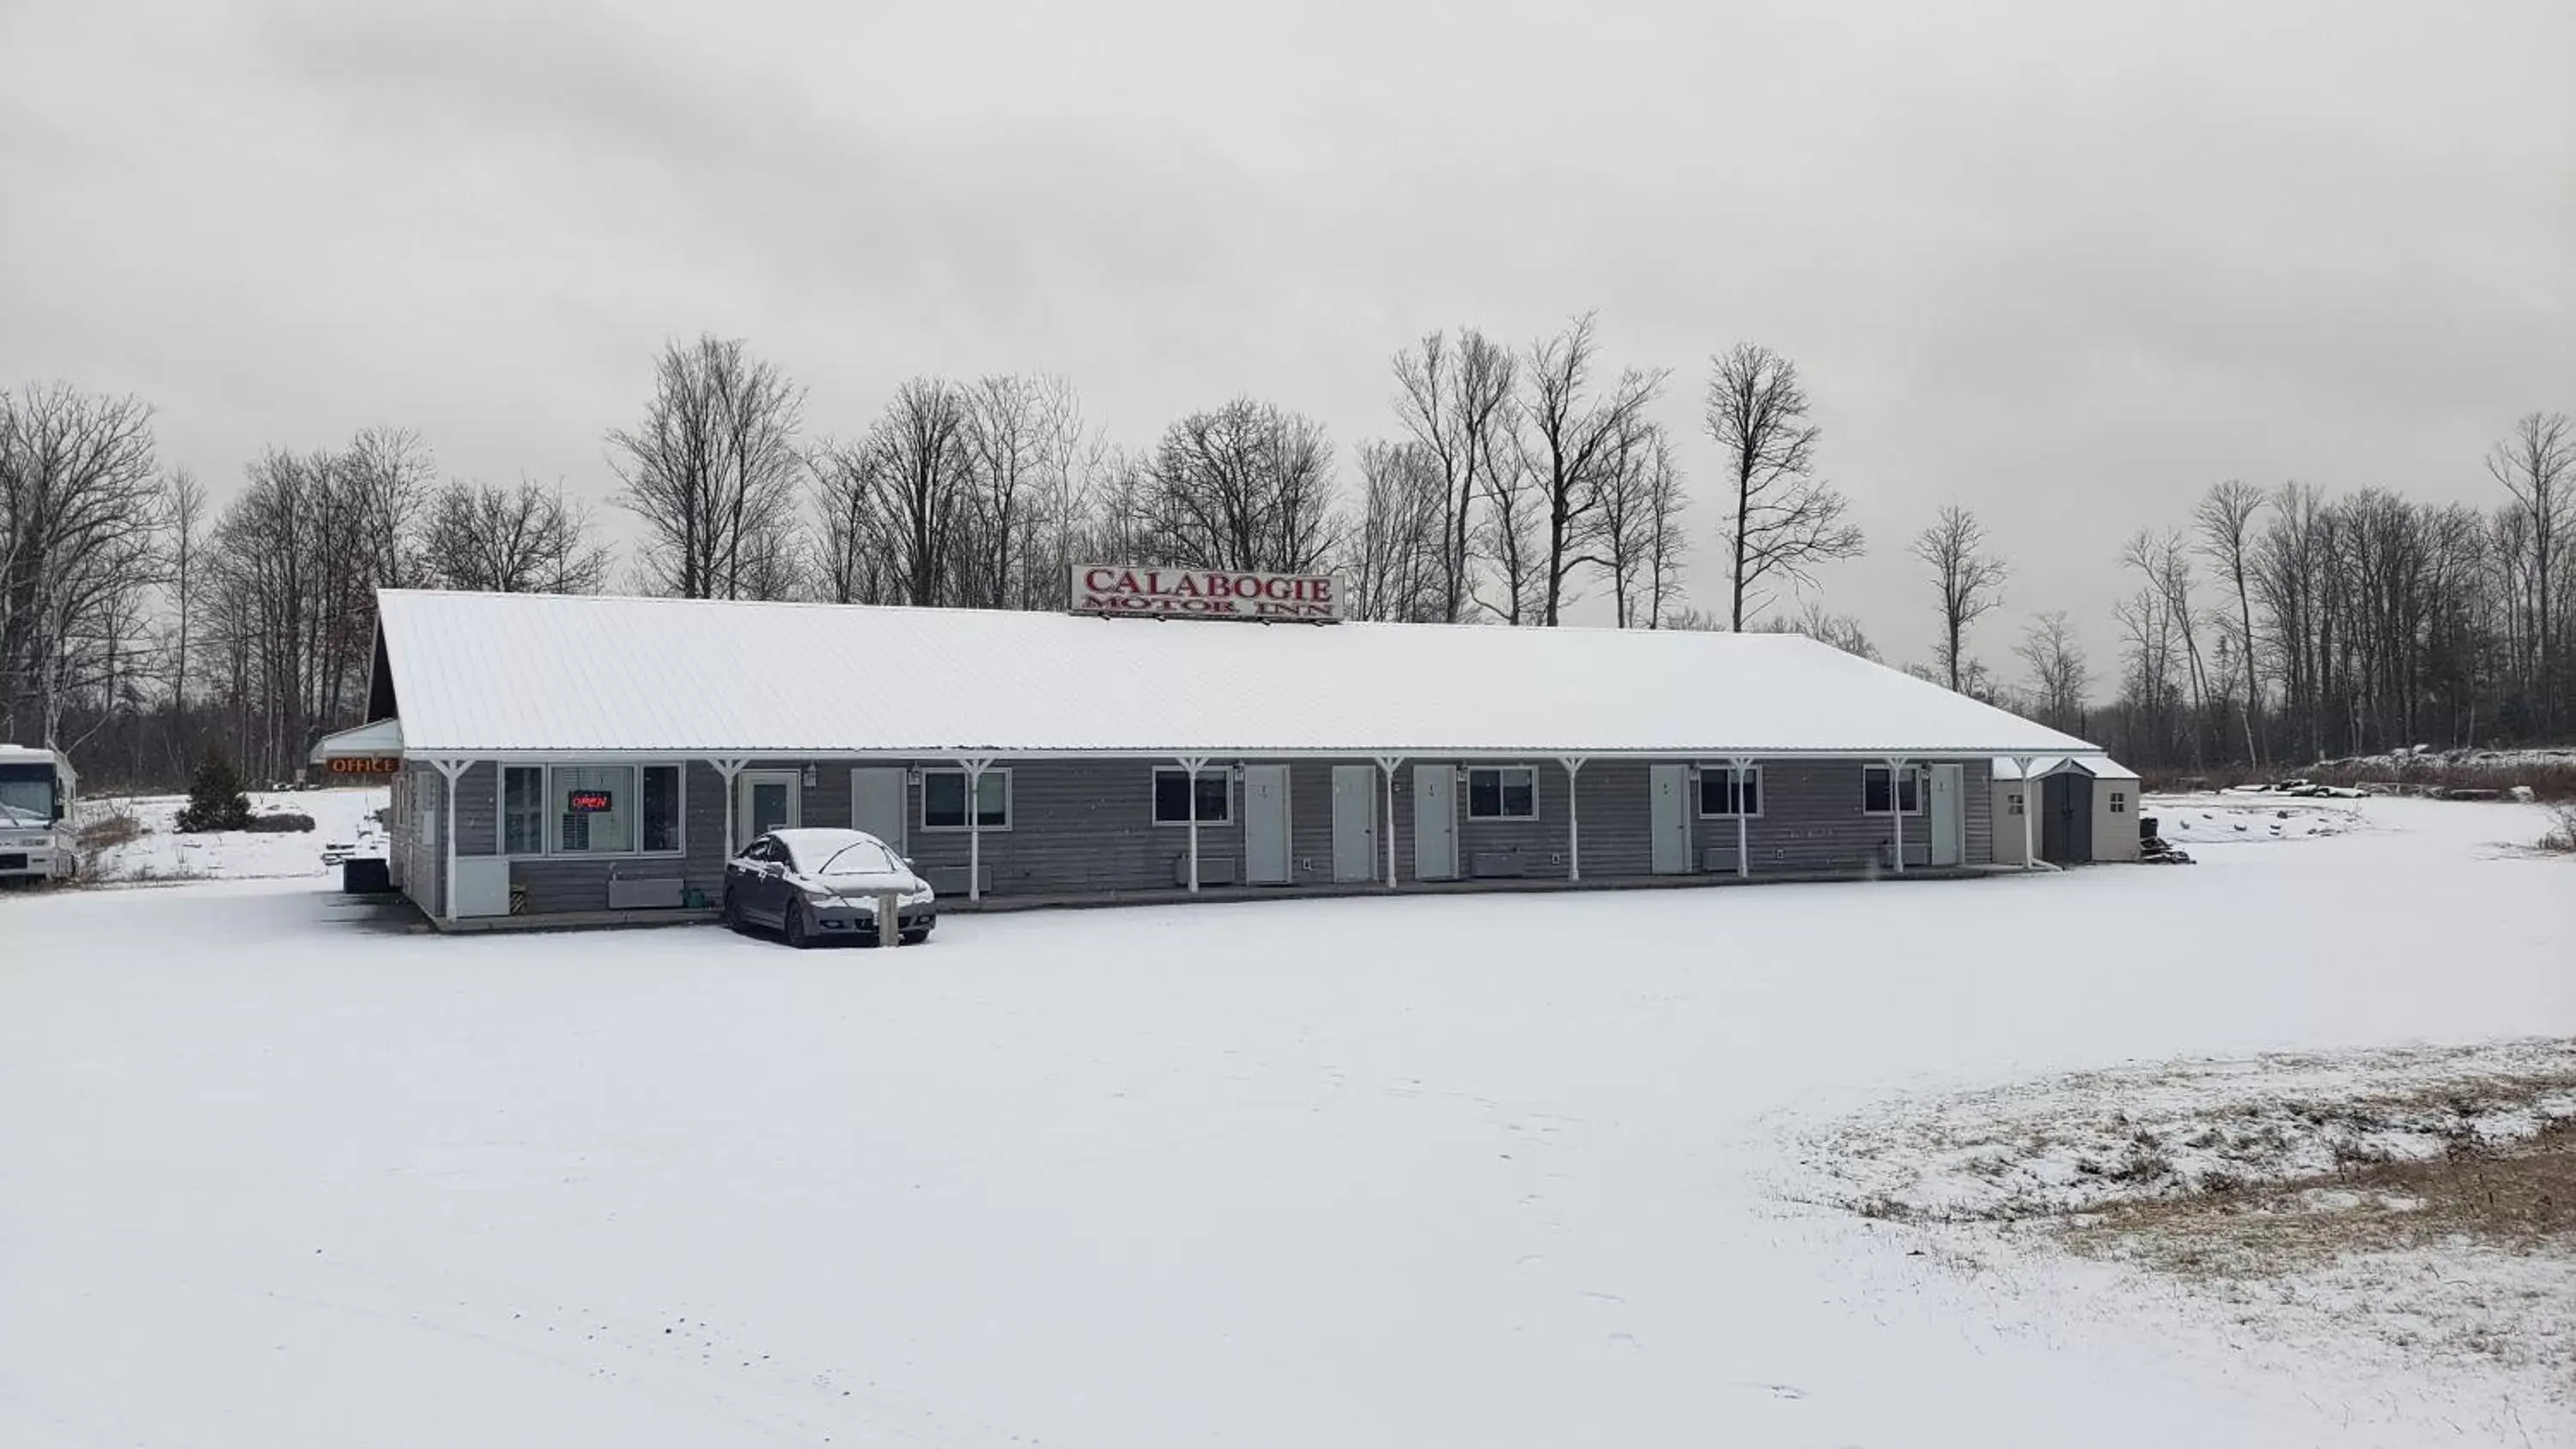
1668	819
1949	820
1265	825
877	803
769	801
1435	822
1355	822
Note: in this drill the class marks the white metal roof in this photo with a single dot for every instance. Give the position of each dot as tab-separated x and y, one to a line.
555	674
2100	767
384	737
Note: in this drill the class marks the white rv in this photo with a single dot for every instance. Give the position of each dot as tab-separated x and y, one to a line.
37	835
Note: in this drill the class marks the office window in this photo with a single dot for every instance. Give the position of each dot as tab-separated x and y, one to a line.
1173	793
594	809
1726	792
943	800
1873	790
2015	798
1502	792
523	810
661	808
2119	802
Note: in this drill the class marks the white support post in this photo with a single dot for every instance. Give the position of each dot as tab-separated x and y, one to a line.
2029	807
975	766
729	771
1390	764
1191	765
1573	829
1743	766
450	771
1896	807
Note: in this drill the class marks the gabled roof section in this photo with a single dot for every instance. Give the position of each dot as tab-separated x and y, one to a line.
502	673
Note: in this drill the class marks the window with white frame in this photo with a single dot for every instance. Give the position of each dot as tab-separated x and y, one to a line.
1502	792
943	800
523	809
660	796
2119	802
590	810
2015	798
1726	792
1175	794
1874	790
593	807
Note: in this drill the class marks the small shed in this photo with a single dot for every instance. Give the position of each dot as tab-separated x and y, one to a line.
2088	809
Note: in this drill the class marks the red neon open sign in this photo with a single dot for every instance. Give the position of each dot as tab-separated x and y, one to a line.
589	802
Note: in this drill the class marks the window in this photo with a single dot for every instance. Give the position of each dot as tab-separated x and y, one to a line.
1502	792
661	808
523	810
1873	790
2119	802
1726	792
2015	798
1173	791
594	809
943	800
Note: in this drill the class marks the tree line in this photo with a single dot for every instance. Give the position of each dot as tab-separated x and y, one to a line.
142	628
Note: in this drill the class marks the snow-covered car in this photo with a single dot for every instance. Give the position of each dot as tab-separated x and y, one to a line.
820	885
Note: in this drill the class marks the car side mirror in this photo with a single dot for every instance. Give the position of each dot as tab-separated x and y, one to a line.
907	862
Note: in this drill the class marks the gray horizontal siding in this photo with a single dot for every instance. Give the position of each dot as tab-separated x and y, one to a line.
1083	826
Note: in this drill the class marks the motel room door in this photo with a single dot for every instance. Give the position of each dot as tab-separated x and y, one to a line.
877	803
1949	817
1435	822
769	801
1265	825
1355	855
1669	820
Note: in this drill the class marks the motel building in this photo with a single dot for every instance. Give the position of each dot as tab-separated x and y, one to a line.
579	760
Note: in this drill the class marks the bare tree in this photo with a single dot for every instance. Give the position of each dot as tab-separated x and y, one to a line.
2536	463
712	472
1840	630
1783	519
1512	534
1456	405
1578	447
1393	565
184	505
79	515
2057	673
919	467
2226	521
1014	443
521	540
1246	486
1639	526
1967	579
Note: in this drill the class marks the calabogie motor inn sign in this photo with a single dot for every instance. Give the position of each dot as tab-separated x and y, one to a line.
1121	592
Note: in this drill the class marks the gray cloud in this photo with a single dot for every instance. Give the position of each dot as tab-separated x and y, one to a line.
2064	265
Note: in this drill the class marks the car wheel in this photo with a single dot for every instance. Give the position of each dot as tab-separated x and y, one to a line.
915	938
732	912
795	927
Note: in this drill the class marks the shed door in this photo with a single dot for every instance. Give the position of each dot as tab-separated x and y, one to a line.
1265	825
877	803
1435	822
1949	819
2066	818
1668	819
1355	822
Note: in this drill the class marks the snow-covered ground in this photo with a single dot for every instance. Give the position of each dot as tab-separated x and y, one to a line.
161	853
1492	1171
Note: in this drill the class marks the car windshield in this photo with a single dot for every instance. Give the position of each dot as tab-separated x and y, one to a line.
26	794
857	857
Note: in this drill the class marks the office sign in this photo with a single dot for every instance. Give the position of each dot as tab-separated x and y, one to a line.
364	765
1120	592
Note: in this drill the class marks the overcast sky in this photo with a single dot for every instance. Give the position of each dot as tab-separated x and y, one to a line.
2064	264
